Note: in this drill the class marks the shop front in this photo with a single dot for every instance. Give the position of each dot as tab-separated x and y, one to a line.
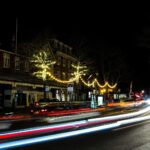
5	95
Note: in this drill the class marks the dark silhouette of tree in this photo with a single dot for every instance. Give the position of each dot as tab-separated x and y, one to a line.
36	44
112	66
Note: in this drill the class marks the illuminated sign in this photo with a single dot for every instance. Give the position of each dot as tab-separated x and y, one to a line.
100	100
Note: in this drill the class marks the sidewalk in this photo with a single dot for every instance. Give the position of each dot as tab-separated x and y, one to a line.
20	113
103	111
25	113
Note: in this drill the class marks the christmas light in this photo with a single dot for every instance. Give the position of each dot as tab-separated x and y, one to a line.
61	81
80	70
96	81
112	86
42	62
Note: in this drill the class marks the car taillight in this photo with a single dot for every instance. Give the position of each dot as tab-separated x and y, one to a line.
42	110
36	104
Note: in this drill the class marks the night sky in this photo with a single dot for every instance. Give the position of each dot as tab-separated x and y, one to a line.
91	31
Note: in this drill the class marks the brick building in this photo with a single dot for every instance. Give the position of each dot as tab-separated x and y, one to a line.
19	86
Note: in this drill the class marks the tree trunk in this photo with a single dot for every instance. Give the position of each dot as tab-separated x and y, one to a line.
44	90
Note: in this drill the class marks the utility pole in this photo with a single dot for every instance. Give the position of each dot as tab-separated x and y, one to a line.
16	37
130	90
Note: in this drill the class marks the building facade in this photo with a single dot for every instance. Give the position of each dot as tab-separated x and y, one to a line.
63	69
19	88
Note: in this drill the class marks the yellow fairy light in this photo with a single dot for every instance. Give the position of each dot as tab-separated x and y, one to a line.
60	81
112	86
102	91
85	83
79	71
101	86
43	64
96	81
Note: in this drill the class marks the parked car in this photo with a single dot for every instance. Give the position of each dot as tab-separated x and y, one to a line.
46	104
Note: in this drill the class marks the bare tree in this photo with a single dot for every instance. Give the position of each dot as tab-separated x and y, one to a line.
112	66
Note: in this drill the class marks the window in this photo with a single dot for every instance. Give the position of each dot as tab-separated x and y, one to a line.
61	60
60	47
69	64
17	63
70	51
58	74
64	75
69	75
58	60
64	62
6	60
54	66
55	73
26	66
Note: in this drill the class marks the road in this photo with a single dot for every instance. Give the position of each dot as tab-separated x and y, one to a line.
54	132
46	120
131	137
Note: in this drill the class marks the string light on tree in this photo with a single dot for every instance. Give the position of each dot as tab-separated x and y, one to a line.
43	64
80	70
61	81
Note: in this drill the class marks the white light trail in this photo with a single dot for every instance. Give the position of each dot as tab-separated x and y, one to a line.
55	136
70	124
71	133
134	120
122	116
75	123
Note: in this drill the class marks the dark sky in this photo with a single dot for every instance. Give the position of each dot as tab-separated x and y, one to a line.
128	31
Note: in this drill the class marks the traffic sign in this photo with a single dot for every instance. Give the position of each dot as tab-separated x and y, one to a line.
70	88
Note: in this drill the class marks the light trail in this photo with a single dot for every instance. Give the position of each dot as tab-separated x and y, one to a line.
54	137
70	125
71	133
122	116
42	129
